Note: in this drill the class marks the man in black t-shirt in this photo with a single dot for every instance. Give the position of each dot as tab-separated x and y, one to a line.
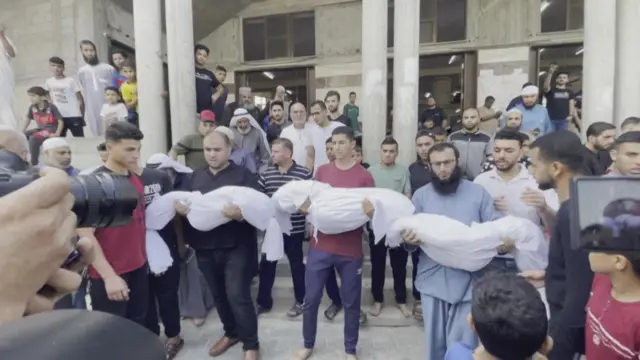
208	88
561	103
433	116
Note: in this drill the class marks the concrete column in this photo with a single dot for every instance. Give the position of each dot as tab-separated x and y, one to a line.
406	48
373	110
147	21
627	71
182	77
599	61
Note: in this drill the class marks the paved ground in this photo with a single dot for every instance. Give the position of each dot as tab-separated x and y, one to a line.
280	338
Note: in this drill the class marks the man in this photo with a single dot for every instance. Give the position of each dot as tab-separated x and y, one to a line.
191	145
284	170
8	83
518	99
328	149
389	175
419	176
433	116
488	116
208	88
352	111
341	251
238	155
535	118
631	123
446	292
118	58
277	121
163	288
332	100
65	94
245	101
298	134
514	191
221	101
93	78
321	129
561	102
514	122
227	255
472	144
626	151
249	136
119	282
600	137
57	153
556	159
514	119
102	152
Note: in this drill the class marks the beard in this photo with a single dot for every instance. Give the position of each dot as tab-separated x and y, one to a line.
547	185
514	127
247	106
91	61
505	167
448	186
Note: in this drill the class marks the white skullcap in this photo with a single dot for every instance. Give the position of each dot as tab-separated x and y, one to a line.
54	143
162	161
530	90
514	110
225	130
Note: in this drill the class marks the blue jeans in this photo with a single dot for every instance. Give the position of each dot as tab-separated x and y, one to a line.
558	125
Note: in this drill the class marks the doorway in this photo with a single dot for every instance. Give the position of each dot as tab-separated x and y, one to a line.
568	58
296	81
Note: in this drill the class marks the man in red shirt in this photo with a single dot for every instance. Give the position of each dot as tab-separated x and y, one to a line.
342	251
119	276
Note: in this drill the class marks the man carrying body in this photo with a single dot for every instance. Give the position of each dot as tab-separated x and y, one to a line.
191	145
228	254
284	170
342	251
389	175
472	144
57	153
93	78
249	136
298	134
446	292
321	130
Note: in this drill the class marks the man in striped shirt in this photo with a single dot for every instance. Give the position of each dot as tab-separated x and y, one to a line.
284	170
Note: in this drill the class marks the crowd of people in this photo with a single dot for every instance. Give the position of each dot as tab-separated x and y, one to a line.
487	165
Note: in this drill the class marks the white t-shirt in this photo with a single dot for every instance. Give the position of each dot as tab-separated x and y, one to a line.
301	139
114	113
318	137
63	94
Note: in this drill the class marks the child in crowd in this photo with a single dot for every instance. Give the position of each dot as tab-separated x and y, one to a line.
440	134
65	94
113	109
48	121
613	311
509	318
328	148
358	157
129	91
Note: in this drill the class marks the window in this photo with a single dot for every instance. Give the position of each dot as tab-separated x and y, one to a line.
440	21
561	15
279	36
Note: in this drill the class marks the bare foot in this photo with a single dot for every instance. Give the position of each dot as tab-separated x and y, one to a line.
304	354
404	310
376	309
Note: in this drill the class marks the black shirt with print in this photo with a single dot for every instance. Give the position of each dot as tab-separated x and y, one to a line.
558	103
157	183
206	85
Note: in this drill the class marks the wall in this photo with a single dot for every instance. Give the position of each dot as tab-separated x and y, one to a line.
501	73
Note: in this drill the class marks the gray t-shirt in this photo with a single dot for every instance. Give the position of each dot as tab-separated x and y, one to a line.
394	177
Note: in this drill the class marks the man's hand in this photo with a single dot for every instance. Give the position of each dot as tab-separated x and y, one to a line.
368	208
500	203
534	198
182	207
304	208
508	245
410	237
232	211
535	277
117	288
553	68
214	98
498	114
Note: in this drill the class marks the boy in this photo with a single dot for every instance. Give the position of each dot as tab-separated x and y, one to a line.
129	92
222	91
357	153
65	94
509	318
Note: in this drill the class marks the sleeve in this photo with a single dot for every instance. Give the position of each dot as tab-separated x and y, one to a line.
308	175
406	188
183	146
368	180
74	86
488	211
55	112
250	163
262	183
122	111
30	113
166	183
319	173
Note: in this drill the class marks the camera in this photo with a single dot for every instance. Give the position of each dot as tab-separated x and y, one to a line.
101	200
605	214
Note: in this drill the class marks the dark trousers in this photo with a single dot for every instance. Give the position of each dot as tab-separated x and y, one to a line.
320	266
333	291
229	273
415	257
163	291
34	149
293	250
73	124
398	257
136	308
134	119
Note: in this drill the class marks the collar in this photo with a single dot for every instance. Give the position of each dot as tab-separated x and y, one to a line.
522	175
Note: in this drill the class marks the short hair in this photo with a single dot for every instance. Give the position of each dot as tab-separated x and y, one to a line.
320	103
628	137
112	88
56	60
222	135
389	140
358	149
344	130
352	93
221	68
130	64
566	148
122	130
121	52
328	141
489	98
438	131
562	73
102	146
424	132
626	235
37	90
630	121
89	43
201	47
509	316
276	103
597	128
284	142
442	147
509	134
331	93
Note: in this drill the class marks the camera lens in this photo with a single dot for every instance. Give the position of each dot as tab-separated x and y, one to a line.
103	200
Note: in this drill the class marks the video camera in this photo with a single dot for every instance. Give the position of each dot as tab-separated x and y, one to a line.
605	214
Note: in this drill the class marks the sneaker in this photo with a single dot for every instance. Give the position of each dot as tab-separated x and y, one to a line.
260	310
295	311
363	318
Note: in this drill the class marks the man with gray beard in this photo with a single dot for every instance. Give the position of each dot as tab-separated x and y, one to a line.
93	77
245	101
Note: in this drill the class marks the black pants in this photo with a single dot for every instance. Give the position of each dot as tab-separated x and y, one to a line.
398	257
163	291
34	149
136	308
229	273
73	124
415	257
293	250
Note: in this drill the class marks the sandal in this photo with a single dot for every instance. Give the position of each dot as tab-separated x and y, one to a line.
332	311
172	347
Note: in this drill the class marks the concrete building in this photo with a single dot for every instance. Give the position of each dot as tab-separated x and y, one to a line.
459	51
